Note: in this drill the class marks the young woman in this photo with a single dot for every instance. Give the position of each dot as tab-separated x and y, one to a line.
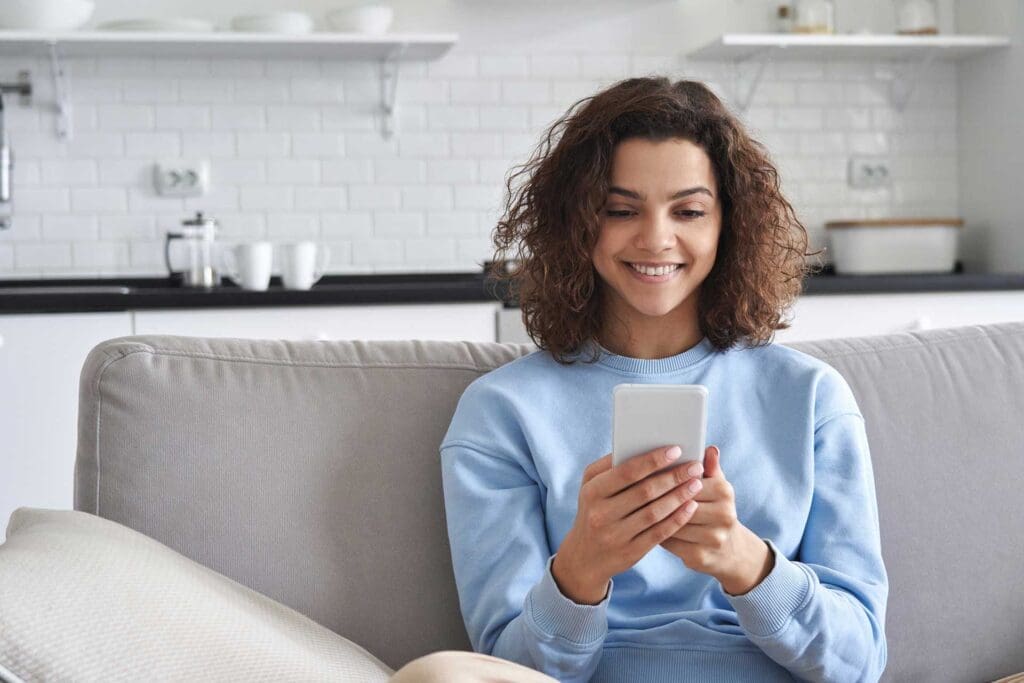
655	246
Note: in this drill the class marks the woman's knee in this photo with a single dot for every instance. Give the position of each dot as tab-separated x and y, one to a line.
456	666
436	667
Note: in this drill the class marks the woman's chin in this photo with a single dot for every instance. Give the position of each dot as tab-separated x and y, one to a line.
654	309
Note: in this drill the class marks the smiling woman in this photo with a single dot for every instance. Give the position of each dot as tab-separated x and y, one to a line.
649	173
655	247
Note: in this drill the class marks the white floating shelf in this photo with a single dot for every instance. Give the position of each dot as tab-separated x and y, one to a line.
389	50
741	46
405	46
915	53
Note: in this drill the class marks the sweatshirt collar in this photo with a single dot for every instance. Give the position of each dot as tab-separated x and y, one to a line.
656	366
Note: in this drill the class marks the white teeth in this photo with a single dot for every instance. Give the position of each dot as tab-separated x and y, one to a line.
660	270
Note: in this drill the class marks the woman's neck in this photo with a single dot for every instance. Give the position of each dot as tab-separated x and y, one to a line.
653	339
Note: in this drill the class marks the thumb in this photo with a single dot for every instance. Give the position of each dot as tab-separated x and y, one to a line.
713	462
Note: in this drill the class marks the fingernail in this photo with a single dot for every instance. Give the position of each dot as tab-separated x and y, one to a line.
674	452
695	470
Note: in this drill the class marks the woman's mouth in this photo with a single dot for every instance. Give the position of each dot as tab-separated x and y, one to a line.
654	274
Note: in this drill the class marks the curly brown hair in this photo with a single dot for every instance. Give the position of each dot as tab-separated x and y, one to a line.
545	239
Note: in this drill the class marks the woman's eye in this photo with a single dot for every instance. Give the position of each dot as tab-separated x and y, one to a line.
623	213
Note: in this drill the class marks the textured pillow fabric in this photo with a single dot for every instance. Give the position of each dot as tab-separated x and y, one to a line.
85	598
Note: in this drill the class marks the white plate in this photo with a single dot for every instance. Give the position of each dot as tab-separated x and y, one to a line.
173	25
274	22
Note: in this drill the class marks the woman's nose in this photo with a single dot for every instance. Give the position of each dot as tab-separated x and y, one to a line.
657	233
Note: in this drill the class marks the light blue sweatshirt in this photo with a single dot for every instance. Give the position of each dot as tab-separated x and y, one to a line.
794	448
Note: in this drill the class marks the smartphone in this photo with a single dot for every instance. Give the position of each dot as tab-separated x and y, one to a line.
649	416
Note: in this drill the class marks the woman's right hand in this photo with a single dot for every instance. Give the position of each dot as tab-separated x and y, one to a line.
623	512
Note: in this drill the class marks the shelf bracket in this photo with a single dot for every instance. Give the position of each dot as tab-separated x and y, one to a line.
62	93
389	89
904	81
744	87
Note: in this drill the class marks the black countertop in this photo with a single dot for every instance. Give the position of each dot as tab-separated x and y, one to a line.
168	293
342	290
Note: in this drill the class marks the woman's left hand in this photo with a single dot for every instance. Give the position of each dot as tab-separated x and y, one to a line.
714	541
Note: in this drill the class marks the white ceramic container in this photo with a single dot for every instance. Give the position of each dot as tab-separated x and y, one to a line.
922	245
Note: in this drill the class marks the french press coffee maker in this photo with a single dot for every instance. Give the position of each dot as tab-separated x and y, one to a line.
199	235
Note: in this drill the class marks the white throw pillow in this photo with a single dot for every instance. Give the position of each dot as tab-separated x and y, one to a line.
84	598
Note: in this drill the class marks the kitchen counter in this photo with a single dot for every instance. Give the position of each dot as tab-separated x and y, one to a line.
119	294
66	295
827	282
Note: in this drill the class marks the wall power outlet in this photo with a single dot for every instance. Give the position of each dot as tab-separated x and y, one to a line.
869	171
181	178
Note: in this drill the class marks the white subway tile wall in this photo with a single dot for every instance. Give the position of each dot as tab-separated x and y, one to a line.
295	152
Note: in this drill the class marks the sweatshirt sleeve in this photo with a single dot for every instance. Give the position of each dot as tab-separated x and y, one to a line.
823	616
510	602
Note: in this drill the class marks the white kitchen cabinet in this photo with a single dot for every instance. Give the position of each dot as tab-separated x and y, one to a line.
454	321
825	316
41	358
858	315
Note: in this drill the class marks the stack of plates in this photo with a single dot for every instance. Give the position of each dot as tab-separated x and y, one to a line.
368	19
172	25
292	23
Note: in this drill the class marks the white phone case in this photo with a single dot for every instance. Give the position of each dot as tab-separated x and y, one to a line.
649	416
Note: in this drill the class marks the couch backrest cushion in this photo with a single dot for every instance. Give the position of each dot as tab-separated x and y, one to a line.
309	472
944	412
305	470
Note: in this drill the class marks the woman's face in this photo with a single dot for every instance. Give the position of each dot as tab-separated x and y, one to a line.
662	211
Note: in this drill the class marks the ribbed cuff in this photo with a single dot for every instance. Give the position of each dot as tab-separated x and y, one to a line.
769	605
557	615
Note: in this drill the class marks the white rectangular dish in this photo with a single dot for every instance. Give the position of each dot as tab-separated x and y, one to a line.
912	245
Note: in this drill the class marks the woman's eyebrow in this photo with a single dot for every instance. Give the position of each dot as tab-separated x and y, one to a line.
614	189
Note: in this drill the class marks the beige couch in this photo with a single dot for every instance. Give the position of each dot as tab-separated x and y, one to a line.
308	471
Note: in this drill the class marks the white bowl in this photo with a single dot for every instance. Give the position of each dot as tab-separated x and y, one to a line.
894	246
45	15
274	22
370	19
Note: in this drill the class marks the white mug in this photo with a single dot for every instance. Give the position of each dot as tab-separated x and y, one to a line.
300	266
249	264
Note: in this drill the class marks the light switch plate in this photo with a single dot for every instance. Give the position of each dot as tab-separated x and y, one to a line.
869	171
181	178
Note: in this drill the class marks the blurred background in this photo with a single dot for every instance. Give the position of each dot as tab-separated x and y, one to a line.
293	146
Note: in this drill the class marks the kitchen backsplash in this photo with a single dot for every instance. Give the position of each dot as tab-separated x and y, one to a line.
295	151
